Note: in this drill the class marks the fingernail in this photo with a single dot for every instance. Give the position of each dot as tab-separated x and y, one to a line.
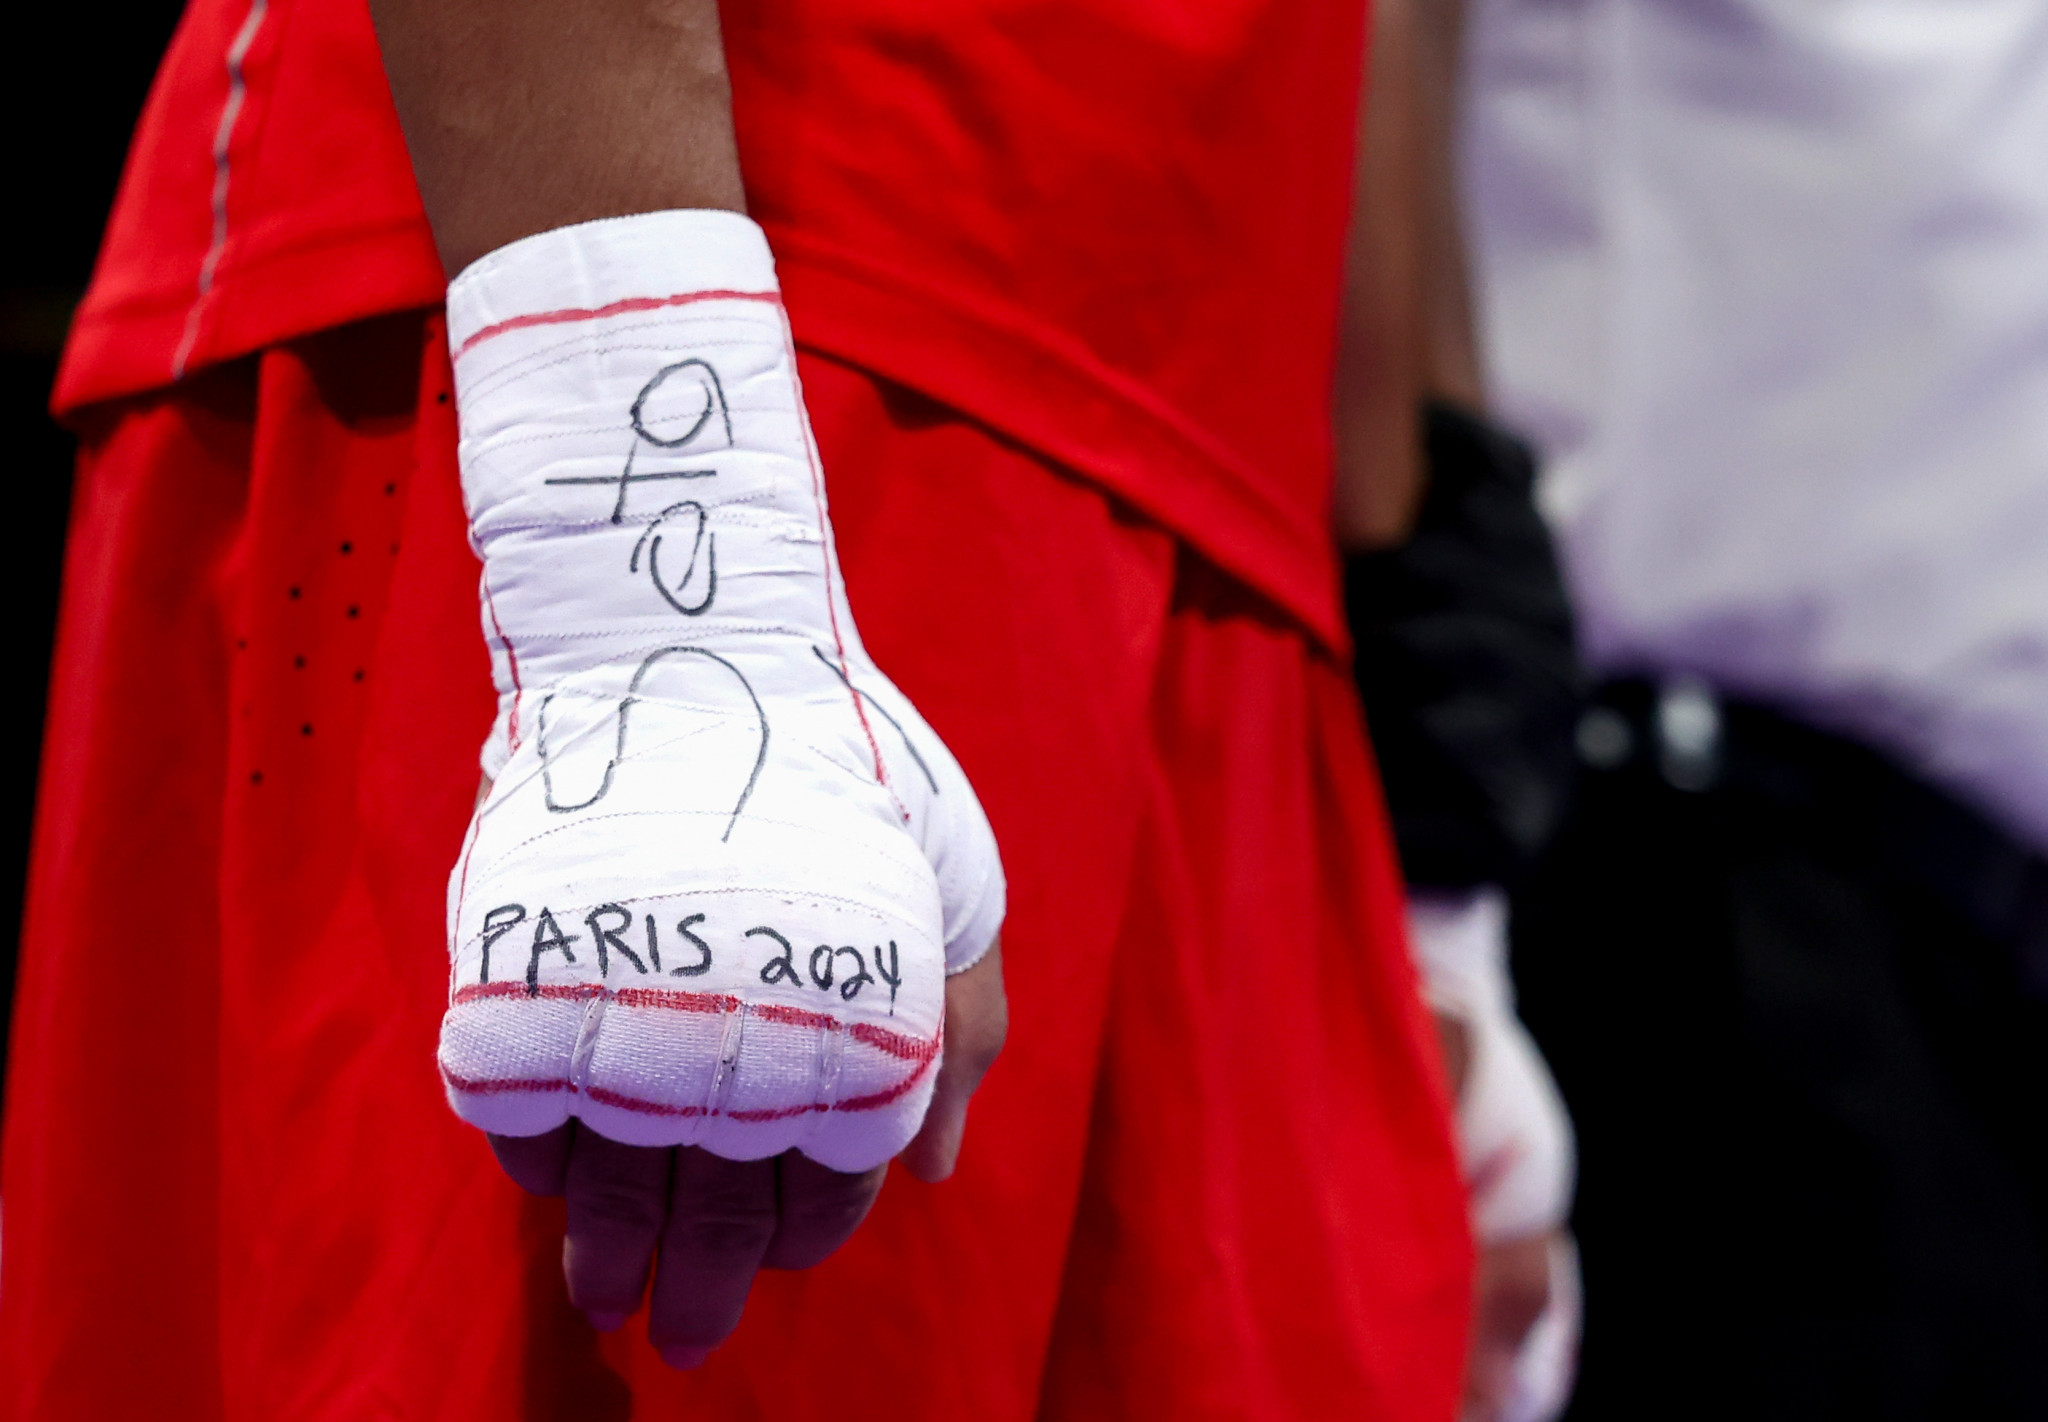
605	1322
681	1355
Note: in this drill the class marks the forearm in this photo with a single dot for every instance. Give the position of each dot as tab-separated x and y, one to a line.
525	115
1450	357
1406	331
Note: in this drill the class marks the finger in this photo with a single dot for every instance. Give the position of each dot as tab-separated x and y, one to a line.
617	1195
537	1164
1513	1287
977	1020
1454	1034
817	1208
721	1216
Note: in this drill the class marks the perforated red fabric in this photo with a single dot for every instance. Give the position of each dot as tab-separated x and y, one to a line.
1112	231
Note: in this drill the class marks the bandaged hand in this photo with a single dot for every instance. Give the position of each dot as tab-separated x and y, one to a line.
700	1226
1516	1142
724	869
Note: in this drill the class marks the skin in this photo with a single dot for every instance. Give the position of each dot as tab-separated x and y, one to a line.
1407	324
699	1227
1408	336
1513	1288
522	116
525	115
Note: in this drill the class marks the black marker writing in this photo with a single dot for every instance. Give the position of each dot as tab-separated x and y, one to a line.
682	373
709	386
892	974
650	543
782	969
628	479
826	968
606	936
547	938
625	711
903	735
849	988
703	963
496	926
822	953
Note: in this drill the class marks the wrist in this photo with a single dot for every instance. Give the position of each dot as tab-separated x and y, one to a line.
626	501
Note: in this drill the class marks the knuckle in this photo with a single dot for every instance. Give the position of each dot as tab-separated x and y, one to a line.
723	1208
615	1203
979	1052
815	1192
830	1211
977	1037
722	1236
991	1044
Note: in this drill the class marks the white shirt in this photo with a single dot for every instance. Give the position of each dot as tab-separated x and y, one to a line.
1767	281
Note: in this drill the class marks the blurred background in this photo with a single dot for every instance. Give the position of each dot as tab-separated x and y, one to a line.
70	138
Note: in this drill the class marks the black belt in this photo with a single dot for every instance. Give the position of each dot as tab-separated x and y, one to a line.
1697	742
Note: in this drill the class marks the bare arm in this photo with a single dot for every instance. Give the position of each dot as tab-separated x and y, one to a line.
1408	337
1407	325
524	115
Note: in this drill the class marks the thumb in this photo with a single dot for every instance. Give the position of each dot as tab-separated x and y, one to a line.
977	1020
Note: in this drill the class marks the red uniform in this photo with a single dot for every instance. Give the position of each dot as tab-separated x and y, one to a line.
1066	279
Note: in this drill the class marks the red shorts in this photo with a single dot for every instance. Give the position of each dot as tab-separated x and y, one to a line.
1212	1175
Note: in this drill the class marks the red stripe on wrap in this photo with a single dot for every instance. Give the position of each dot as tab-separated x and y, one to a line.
614	308
874	1100
896	1044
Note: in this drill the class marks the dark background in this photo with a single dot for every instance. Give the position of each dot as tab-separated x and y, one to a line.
77	87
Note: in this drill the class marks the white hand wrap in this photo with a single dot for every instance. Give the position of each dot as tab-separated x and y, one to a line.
1512	1127
714	893
1513	1131
1548	1363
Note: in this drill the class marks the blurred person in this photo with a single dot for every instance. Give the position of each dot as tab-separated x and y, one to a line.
1064	289
1764	281
1465	665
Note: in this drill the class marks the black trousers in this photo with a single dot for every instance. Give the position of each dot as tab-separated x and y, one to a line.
1810	1082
